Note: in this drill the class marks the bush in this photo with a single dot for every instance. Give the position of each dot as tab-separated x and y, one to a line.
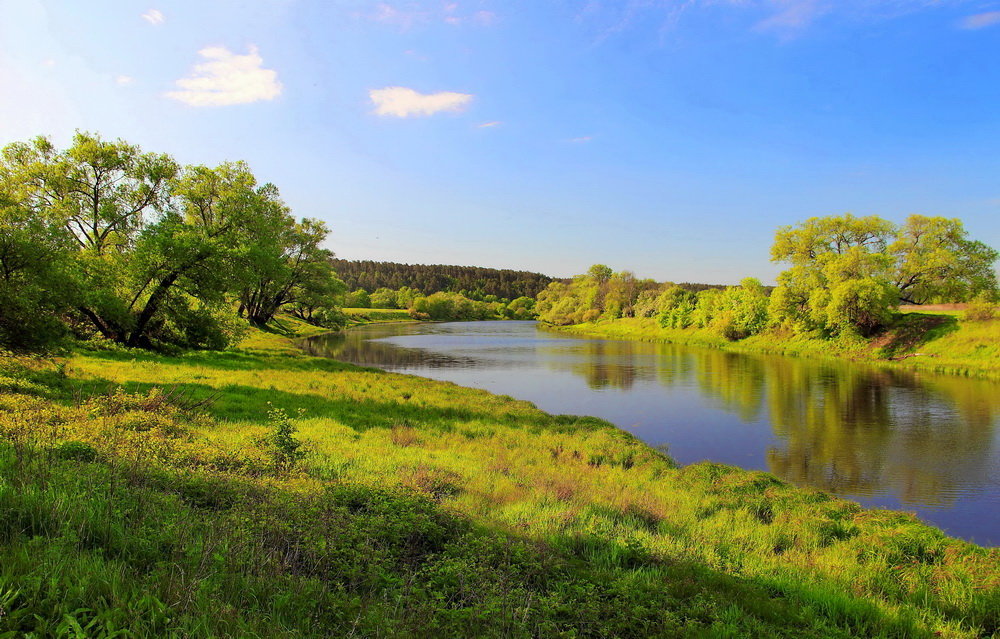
862	306
76	451
981	309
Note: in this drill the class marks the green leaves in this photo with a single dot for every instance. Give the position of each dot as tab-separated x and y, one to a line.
147	253
848	274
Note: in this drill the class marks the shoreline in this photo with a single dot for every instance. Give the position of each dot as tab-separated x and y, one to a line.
933	358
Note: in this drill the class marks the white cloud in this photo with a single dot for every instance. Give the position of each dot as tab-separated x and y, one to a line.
49	63
227	78
487	125
581	140
402	102
153	16
124	80
980	20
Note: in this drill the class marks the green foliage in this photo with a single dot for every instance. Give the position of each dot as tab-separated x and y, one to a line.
676	307
740	311
104	238
862	305
936	262
848	274
453	306
474	282
358	299
982	308
285	447
599	294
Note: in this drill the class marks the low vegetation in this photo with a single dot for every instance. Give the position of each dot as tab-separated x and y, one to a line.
263	493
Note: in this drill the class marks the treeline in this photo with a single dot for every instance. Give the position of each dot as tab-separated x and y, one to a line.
443	305
472	281
846	275
103	239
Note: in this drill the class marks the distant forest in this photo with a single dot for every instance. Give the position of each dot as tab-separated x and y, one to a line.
431	278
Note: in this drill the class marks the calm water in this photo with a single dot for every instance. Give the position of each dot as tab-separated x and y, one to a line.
923	443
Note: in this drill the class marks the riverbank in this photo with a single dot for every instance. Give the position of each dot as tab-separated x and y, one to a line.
362	316
419	507
915	341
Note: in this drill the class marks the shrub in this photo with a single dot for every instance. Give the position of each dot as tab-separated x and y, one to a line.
76	451
284	447
981	309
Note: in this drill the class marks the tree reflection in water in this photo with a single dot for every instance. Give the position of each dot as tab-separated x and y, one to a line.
847	428
851	429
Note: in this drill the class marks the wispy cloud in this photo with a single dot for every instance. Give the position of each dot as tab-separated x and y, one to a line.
487	125
782	17
154	17
581	140
980	20
227	78
401	102
408	15
791	16
123	80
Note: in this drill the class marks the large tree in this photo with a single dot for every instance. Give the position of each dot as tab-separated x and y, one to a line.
37	278
160	252
291	268
848	273
936	261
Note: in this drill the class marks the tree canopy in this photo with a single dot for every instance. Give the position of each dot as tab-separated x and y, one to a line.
845	274
143	251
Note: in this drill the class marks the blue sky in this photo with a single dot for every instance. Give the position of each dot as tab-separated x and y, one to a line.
667	137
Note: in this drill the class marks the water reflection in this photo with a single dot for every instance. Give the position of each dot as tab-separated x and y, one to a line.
924	440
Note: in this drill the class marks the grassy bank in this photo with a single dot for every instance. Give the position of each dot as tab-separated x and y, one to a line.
153	496
919	341
357	316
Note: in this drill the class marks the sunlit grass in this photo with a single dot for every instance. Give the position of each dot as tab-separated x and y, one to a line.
367	315
640	547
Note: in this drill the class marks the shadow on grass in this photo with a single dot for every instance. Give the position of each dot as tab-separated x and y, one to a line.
475	580
233	361
237	402
912	330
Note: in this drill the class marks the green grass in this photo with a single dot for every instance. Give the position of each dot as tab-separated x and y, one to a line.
377	315
421	509
933	342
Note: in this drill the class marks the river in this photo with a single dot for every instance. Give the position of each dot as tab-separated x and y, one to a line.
928	444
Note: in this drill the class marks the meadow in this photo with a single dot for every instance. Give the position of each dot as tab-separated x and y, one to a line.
261	492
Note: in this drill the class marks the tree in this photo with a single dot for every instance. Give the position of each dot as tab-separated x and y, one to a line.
106	194
935	261
358	298
849	273
153	254
290	268
741	311
384	298
36	272
676	306
825	253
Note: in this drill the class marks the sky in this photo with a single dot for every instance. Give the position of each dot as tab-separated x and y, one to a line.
666	137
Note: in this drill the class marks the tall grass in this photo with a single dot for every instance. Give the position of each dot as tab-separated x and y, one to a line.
143	495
